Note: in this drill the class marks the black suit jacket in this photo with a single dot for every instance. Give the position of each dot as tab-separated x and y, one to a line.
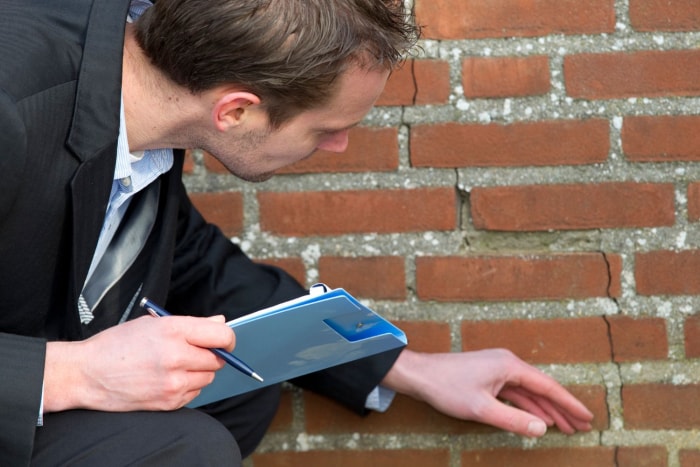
60	80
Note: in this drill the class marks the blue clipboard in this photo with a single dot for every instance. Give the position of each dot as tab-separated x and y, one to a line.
322	329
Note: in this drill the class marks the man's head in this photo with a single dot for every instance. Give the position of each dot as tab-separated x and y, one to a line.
290	53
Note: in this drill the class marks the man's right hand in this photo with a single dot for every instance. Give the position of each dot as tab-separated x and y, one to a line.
144	364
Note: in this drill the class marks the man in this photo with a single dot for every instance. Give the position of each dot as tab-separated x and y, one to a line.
94	216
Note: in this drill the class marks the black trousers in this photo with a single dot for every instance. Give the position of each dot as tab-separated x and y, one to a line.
219	434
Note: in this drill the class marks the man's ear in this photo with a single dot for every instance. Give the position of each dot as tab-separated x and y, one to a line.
231	108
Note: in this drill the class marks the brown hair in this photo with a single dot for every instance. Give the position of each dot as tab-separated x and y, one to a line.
289	52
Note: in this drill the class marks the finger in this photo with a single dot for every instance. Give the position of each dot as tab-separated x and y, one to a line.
513	419
523	400
209	334
539	383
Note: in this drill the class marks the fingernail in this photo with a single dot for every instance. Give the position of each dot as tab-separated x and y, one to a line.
536	428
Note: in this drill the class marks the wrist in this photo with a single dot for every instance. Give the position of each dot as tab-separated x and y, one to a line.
404	375
62	377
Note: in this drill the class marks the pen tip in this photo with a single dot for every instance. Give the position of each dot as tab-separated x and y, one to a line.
257	376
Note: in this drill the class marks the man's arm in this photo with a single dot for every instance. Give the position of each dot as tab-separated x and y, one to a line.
468	385
21	375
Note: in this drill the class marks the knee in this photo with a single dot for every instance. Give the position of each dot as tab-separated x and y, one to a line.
204	441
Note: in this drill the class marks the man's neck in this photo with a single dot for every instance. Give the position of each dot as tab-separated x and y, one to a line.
155	108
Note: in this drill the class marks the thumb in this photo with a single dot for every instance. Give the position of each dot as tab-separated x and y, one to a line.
217	318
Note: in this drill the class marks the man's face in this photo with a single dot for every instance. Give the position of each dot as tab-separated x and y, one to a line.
255	152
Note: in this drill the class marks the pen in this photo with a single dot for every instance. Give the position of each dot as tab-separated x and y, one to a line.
238	364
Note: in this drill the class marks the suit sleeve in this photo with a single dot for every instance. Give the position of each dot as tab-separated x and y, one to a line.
214	276
22	358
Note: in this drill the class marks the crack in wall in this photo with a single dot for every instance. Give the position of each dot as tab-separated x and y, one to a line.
611	343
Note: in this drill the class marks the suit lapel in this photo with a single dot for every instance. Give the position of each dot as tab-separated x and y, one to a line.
94	130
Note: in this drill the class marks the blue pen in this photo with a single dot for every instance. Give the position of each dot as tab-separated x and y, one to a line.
157	311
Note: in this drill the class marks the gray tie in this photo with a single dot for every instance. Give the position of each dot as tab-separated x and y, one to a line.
122	251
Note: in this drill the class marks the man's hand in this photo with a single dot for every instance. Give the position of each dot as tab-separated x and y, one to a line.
144	364
468	386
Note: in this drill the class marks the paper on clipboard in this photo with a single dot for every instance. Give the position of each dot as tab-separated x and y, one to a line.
317	331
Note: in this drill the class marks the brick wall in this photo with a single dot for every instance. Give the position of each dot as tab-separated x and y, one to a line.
529	180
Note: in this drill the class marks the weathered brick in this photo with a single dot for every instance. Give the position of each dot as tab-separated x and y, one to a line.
348	458
294	266
667	272
285	414
526	277
661	406
456	19
551	143
381	278
417	82
633	74
505	76
406	415
542	341
344	212
595	398
573	207
692	336
224	209
694	201
661	138
638	339
642	456
426	336
369	150
543	457
689	457
664	15
213	165
188	166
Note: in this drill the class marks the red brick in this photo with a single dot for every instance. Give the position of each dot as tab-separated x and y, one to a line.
661	407
667	272
400	88
405	416
552	143
542	341
694	201
573	207
511	278
689	457
427	336
381	278
665	15
213	165
505	76
344	212
646	73
417	82
545	457
595	398
661	138
408	416
224	209
638	339
294	266
642	456
692	336
432	81
369	150
188	166
285	414
457	19
343	458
